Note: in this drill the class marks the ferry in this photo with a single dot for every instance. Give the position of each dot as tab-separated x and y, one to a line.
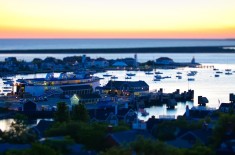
38	86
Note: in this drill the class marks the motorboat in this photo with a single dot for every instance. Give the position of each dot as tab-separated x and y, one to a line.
166	77
218	72
191	79
158	73
227	70
156	79
114	77
178	76
107	75
228	73
127	77
216	75
130	74
179	73
149	73
192	73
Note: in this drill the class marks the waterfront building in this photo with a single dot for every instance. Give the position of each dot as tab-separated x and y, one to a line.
125	87
85	98
76	89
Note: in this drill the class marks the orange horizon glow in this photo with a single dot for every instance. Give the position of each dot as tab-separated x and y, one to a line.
181	19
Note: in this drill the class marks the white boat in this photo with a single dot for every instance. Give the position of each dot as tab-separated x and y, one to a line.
156	79
178	76
130	74
166	77
114	77
148	73
192	73
191	79
228	73
106	75
158	73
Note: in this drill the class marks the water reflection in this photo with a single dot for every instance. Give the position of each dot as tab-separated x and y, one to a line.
5	124
162	110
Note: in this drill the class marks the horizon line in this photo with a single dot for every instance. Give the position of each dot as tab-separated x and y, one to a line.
129	38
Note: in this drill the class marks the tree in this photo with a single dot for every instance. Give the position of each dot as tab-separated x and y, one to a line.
37	61
80	113
18	132
62	113
224	129
37	149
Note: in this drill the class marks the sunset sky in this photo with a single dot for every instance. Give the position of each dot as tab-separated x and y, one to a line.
117	18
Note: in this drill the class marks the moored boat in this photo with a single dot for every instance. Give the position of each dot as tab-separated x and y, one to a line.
130	74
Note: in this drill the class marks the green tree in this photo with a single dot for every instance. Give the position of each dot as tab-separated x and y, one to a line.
225	127
117	151
80	113
62	113
37	149
61	146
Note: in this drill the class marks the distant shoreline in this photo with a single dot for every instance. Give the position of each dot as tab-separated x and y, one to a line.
204	49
